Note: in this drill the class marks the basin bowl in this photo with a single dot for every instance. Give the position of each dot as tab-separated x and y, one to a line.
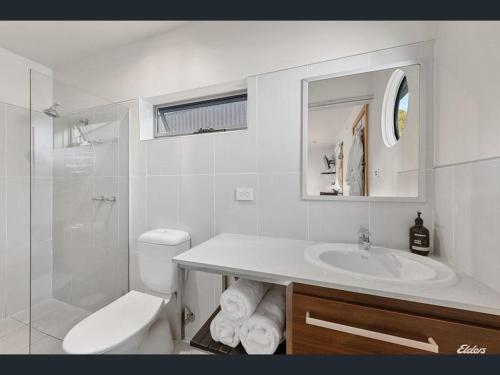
385	265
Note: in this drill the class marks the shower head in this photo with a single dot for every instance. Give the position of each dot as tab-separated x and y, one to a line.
52	111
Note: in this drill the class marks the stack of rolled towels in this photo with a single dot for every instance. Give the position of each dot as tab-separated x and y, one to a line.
252	313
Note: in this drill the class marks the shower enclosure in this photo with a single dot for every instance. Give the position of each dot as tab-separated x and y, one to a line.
64	225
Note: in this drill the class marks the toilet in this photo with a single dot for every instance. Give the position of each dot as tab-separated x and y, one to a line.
136	323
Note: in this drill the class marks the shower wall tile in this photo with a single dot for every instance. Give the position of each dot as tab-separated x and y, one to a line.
17	271
3	211
15	182
3	223
107	159
93	278
91	237
41	271
123	213
123	146
41	209
42	141
61	277
17	211
17	122
3	145
137	215
105	214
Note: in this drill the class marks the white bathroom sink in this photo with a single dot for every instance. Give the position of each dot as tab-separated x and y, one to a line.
381	264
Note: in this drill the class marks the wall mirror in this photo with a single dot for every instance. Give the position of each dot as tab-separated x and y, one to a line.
361	135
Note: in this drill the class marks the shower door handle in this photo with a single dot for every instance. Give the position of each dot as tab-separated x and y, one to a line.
111	199
99	198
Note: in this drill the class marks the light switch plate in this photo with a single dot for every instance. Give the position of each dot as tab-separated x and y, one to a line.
244	194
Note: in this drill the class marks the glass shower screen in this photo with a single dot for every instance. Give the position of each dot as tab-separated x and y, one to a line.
79	208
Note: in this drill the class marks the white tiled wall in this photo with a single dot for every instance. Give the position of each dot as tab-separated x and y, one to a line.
467	176
15	212
15	189
189	183
467	218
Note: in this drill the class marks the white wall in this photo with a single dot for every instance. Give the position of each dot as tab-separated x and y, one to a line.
467	210
189	182
15	78
15	191
206	53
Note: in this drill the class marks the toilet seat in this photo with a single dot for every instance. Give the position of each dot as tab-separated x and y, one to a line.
110	326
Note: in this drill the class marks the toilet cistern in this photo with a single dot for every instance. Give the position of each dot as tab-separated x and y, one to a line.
364	239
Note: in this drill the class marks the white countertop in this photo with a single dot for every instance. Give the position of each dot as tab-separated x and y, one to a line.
280	260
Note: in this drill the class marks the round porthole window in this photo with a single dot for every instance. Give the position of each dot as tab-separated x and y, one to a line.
395	108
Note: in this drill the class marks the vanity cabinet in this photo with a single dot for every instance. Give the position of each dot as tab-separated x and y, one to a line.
329	321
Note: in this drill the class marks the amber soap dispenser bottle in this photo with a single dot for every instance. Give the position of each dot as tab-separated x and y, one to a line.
419	237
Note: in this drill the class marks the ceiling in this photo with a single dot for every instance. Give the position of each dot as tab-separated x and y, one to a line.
55	43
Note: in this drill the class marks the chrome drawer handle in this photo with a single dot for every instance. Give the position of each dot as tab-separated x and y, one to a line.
429	346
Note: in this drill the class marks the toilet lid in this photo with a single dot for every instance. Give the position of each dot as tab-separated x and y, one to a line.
113	324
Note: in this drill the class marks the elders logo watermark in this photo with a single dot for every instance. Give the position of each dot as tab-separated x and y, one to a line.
467	349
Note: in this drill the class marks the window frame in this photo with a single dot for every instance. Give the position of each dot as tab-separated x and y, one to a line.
197	103
403	90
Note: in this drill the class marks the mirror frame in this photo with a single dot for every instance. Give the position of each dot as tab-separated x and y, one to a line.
414	54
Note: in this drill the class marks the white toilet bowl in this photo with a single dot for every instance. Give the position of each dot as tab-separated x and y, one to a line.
131	324
136	323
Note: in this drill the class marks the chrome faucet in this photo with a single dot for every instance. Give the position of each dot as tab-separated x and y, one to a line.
364	239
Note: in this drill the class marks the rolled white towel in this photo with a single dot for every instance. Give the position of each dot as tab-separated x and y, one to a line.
264	330
225	331
239	301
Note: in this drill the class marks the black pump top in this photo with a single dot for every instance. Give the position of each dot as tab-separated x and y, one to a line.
419	221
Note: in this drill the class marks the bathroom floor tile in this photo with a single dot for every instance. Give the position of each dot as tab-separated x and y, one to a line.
37	311
8	325
17	341
47	345
52	317
58	322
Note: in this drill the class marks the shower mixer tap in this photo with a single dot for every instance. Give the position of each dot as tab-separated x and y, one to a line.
101	198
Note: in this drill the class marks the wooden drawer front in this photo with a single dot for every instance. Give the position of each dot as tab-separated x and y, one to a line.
358	329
